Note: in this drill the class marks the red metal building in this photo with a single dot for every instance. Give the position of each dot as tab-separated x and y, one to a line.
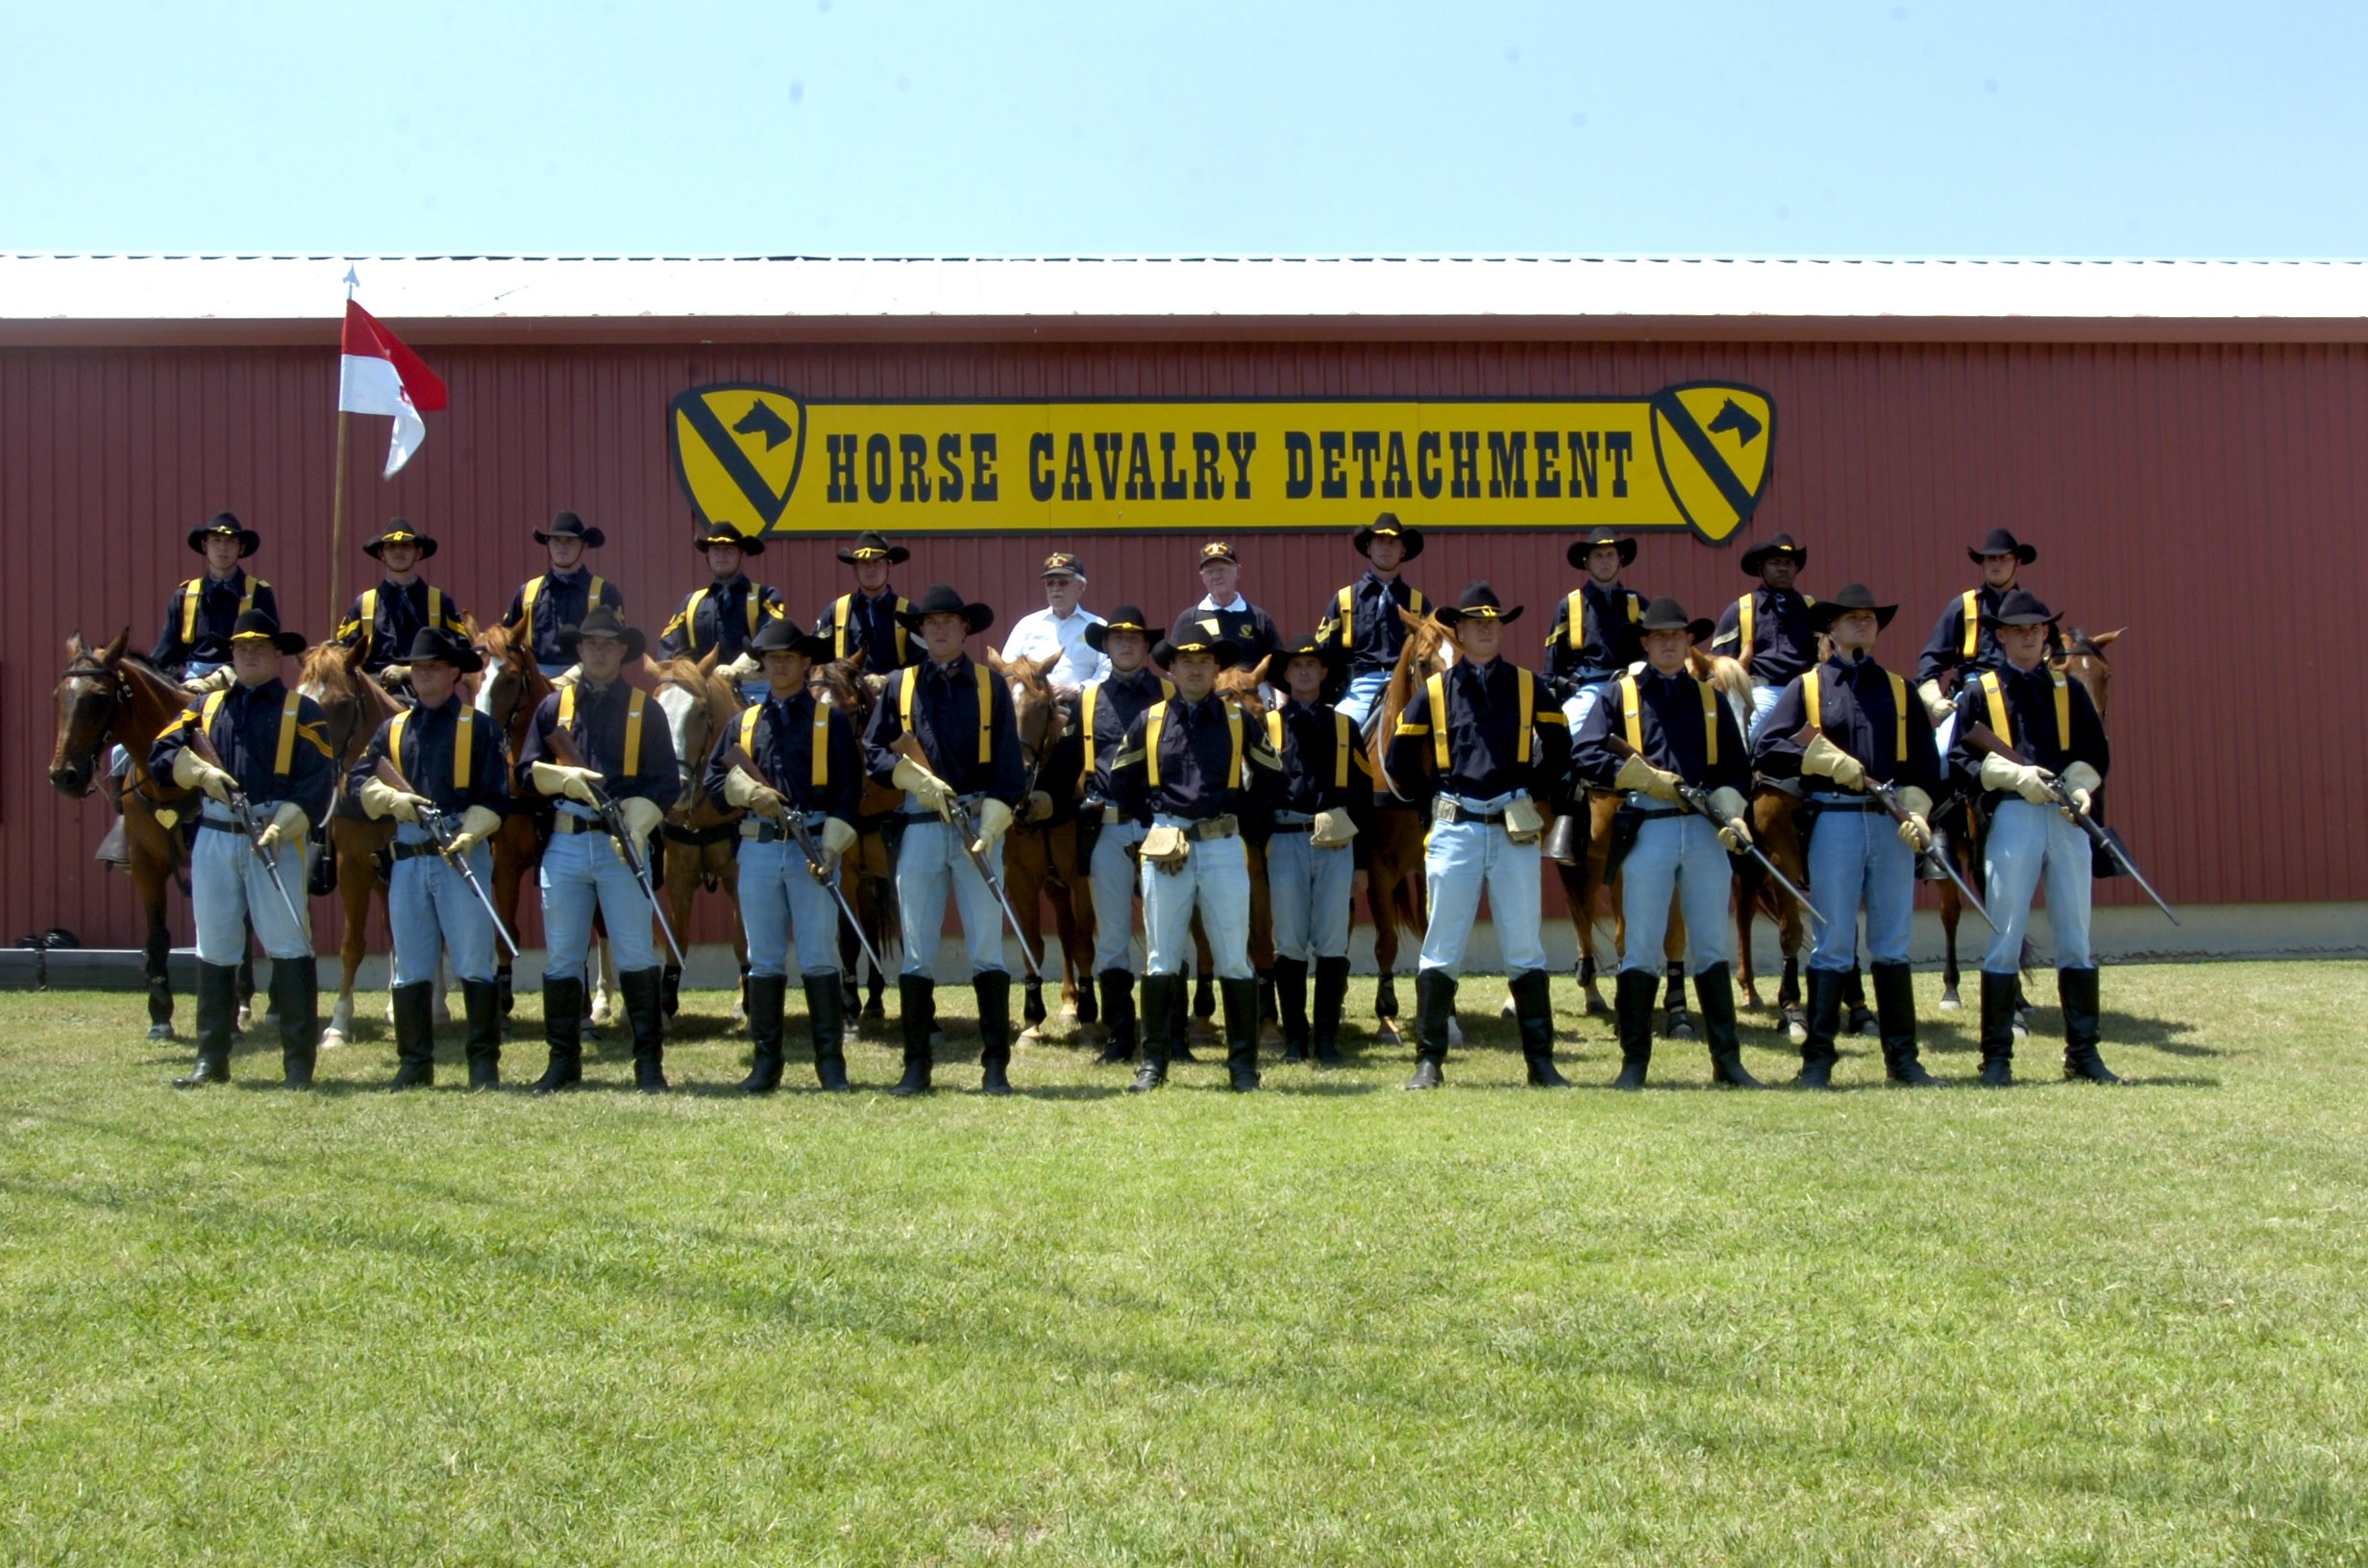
2181	441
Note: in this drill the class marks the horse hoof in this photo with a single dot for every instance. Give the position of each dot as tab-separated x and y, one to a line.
1069	1011
1032	1035
245	1019
1270	1033
160	1030
1949	1002
1594	1005
1504	1009
333	1039
1386	1033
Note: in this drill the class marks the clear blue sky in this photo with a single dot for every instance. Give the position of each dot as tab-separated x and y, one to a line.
1810	127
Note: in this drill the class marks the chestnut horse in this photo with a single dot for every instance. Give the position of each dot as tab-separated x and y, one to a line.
353	708
700	834
1394	887
1040	856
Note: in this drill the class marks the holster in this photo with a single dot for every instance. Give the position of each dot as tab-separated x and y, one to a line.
892	836
1805	820
1564	843
1089	831
1627	823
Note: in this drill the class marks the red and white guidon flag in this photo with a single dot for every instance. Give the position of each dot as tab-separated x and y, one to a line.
380	375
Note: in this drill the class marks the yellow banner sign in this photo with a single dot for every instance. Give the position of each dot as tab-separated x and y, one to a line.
767	462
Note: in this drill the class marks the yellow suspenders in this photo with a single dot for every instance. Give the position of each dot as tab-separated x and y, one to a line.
1345	611
1743	610
1092	696
986	708
818	771
367	623
1437	687
1809	698
838	627
2005	731
633	707
193	592
464	735
1575	617
1157	718
528	595
283	755
1631	715
1973	622
1344	743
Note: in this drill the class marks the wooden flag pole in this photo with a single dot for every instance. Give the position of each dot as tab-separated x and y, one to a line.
337	498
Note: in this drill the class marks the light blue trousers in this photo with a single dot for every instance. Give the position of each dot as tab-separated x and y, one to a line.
230	889
1113	896
433	912
1308	891
1582	702
1215	880
581	871
1676	852
1762	703
931	860
1459	859
1363	691
1856	858
2024	843
779	896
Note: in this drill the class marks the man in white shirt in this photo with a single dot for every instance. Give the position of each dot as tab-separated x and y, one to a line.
1060	626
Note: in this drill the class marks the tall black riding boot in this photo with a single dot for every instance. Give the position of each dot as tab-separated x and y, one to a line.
1998	993
1434	1010
482	1000
1290	997
1895	1012
1533	1012
993	990
414	1007
1241	1032
296	1007
1331	996
1825	989
1180	1036
645	1010
1715	990
217	1006
1854	998
767	993
563	1033
826	1013
917	1017
2076	992
1160	1010
1632	1013
1117	1013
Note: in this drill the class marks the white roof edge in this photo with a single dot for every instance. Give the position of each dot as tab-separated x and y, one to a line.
284	287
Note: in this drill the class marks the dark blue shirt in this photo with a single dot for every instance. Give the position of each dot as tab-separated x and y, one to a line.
946	718
1118	701
868	622
602	715
783	746
1607	636
2030	698
1945	654
427	760
218	603
245	734
1372	633
1484	738
1248	625
1672	731
718	616
1856	712
397	612
1782	643
1195	763
563	600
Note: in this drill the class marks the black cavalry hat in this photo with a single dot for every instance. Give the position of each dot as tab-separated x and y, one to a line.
1308	647
445	648
225	523
1666	614
1125	618
255	625
399	531
568	525
1478	603
1217	550
871	546
602	621
1583	546
942	600
1387	526
724	533
1854	595
2020	608
779	634
2002	542
1227	652
1756	556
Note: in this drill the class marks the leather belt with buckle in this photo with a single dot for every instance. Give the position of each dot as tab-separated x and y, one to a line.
1449	808
1216	828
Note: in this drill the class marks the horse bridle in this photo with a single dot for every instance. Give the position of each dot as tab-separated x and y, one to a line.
118	695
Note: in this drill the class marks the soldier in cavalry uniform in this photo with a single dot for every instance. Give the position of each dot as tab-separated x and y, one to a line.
1962	645
1361	625
725	614
1768	630
865	620
1223	614
1107	835
563	595
194	646
384	620
1326	800
1595	634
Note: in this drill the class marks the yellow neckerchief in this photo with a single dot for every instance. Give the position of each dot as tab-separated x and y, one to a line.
1813	699
1093	696
1745	607
1346	613
819	768
1973	622
285	754
2005	731
1157	718
908	678
1574	613
193	593
528	595
838	625
1631	715
1344	743
1437	687
465	731
633	705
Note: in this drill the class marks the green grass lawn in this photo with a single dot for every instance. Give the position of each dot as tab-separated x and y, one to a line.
1328	1323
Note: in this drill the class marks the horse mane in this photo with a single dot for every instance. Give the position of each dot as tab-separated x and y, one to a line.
699	677
328	667
1733	680
1239	685
1425	638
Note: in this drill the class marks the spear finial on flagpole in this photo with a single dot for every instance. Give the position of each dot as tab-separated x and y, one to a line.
351	282
337	502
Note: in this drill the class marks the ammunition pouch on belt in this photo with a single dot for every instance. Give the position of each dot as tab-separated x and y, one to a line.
1627	823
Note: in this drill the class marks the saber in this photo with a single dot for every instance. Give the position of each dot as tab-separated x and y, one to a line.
1980	738
439	828
959	818
563	747
244	813
1699	802
1888	798
738	757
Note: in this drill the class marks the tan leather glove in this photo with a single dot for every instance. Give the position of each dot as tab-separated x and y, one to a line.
1333	829
993	822
1936	706
1525	822
1823	759
922	785
838	837
394	675
746	793
1731	811
381	800
1166	848
287	825
2024	779
641	815
192	771
2083	781
478	823
218	680
747	667
1636	774
1040	806
571	783
1916	832
568	676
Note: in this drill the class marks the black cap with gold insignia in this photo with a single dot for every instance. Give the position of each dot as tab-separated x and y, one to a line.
1217	550
1062	564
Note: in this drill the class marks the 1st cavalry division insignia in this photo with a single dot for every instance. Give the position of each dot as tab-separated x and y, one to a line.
737	449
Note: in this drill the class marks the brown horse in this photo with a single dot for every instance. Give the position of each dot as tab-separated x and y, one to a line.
865	875
1394	887
1040	858
108	697
701	832
353	708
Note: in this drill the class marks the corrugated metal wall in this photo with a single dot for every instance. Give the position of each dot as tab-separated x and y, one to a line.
2206	498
